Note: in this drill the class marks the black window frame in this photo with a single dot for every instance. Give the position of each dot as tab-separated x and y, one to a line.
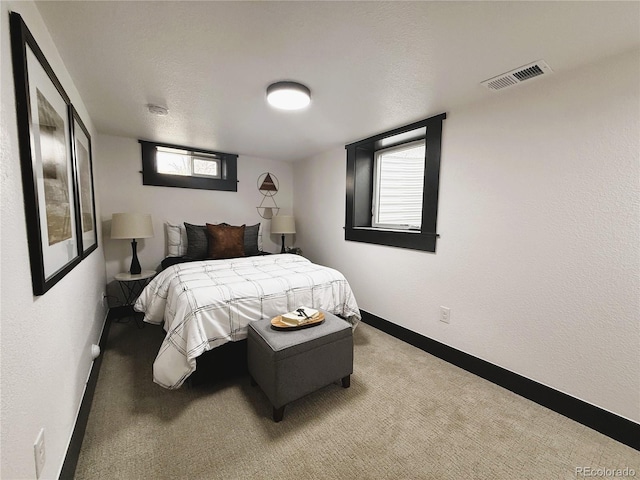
359	188
151	176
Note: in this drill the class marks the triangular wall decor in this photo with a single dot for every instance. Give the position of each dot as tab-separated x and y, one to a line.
268	185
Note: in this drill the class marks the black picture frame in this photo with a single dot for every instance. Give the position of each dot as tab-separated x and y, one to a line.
46	155
83	164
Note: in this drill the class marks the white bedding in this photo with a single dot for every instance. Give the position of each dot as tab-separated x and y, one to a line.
208	303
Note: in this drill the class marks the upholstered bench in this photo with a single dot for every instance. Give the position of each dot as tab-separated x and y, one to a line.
288	365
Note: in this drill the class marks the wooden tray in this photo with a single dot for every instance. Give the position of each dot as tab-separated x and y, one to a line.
278	324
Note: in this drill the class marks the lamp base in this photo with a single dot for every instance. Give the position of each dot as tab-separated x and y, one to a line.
135	264
282	249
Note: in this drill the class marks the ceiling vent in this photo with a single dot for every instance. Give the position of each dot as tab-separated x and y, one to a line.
518	75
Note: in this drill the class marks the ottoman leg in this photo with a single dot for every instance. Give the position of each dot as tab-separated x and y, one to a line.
346	381
278	414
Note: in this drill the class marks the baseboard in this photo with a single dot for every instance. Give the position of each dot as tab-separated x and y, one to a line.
607	423
73	451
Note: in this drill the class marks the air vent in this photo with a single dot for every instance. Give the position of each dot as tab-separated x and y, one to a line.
519	75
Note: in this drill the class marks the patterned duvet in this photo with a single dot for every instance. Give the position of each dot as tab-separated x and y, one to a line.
206	304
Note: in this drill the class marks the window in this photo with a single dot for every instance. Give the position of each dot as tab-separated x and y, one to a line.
173	161
398	187
392	186
175	166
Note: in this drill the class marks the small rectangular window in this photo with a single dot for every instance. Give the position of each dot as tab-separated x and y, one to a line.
176	166
398	187
209	167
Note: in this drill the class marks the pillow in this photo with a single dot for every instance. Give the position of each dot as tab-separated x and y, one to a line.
225	241
251	239
176	240
197	242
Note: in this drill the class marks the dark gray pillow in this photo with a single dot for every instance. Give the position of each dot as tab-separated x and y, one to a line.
197	243
251	240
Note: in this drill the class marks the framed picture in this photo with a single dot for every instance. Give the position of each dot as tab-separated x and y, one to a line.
48	175
83	163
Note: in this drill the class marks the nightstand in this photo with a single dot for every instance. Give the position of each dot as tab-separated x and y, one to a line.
131	286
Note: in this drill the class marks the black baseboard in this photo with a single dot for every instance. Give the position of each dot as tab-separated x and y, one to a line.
73	452
607	423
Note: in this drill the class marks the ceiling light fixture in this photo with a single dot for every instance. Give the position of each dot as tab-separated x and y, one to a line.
288	95
157	110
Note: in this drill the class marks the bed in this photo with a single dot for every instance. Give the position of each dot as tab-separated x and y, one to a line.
205	304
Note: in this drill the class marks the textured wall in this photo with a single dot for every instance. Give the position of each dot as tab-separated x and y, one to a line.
45	341
539	218
120	190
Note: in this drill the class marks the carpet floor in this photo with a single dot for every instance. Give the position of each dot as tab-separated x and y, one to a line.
407	415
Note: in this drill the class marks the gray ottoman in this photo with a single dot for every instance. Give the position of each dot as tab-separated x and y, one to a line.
290	364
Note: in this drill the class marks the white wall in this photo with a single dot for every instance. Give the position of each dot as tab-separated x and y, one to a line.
539	217
121	190
44	341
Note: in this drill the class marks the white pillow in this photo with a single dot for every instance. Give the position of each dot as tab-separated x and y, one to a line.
176	240
260	237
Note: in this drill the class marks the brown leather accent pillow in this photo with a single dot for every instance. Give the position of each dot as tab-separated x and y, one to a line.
225	241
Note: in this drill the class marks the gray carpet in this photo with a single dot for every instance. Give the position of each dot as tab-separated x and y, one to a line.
407	415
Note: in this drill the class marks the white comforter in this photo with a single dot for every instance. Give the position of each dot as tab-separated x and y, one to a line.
206	304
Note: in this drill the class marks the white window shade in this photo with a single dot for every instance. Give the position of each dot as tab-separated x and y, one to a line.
398	187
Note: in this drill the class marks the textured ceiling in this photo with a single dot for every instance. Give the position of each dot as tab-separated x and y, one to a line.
371	66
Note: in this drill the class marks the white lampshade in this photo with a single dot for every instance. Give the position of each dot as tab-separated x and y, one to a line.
131	225
283	224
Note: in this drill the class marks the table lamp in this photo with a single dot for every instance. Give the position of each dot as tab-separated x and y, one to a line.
283	224
132	226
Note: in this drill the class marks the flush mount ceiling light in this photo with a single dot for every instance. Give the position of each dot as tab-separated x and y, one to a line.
288	95
157	110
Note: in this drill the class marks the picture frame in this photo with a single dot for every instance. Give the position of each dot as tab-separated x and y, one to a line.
48	175
83	164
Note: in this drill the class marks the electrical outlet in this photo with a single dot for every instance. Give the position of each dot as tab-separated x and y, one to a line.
445	314
39	452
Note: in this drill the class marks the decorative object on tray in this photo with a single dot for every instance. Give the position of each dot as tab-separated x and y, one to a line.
302	317
268	187
293	250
